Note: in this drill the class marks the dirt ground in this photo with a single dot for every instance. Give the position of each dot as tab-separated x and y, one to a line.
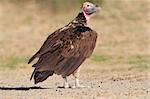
104	82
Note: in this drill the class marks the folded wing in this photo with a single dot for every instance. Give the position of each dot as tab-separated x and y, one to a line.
64	51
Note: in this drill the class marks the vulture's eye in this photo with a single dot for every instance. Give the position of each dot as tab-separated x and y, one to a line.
88	5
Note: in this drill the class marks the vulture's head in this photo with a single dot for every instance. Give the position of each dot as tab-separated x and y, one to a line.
89	8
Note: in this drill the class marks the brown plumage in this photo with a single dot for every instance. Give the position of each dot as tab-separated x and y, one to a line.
64	50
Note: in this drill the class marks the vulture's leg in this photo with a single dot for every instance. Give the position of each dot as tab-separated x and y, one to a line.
66	84
76	76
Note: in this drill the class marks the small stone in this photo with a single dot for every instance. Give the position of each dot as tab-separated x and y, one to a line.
147	91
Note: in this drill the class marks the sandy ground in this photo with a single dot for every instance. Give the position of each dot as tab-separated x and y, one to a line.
105	83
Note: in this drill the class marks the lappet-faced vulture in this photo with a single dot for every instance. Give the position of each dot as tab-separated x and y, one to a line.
67	48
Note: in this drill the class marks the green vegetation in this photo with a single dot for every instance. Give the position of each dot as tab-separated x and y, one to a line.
13	62
100	58
140	61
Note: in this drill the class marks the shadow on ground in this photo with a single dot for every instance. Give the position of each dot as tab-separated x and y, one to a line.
22	88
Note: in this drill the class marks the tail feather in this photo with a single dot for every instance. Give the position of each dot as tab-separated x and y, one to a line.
31	59
40	76
32	74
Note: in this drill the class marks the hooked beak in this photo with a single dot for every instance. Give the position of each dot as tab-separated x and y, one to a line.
95	9
92	9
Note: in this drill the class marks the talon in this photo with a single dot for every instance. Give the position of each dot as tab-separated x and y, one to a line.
66	86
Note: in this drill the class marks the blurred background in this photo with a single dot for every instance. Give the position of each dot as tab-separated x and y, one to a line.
122	27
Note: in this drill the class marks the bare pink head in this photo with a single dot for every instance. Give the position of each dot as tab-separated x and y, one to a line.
88	9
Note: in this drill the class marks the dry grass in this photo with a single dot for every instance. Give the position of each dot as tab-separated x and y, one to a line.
122	28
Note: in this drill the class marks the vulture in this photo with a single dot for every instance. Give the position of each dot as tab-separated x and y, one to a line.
66	48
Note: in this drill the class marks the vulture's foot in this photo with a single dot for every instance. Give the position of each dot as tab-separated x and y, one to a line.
80	86
66	85
77	84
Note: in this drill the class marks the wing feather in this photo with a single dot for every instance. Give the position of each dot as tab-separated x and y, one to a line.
64	52
51	43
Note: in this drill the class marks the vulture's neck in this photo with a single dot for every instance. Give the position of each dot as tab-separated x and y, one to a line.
80	20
